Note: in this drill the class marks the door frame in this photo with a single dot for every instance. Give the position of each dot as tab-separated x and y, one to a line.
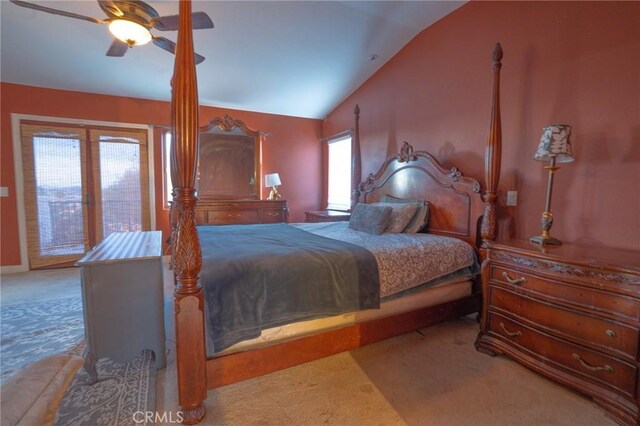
19	173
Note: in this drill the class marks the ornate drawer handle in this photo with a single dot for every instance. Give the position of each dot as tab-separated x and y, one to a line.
233	214
510	333
510	280
273	214
610	333
606	367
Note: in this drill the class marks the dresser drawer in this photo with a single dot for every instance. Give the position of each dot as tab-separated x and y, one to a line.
272	216
590	298
232	216
580	361
589	329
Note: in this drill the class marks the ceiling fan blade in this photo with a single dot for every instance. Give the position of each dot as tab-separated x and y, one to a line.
117	48
56	11
110	7
165	43
169	46
198	58
199	21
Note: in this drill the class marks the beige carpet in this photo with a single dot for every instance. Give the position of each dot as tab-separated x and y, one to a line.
435	379
431	377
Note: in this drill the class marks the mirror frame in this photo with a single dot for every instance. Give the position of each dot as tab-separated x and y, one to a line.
228	124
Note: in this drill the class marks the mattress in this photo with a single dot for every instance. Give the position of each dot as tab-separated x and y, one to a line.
446	291
415	271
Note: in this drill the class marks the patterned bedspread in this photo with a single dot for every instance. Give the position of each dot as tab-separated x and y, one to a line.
404	260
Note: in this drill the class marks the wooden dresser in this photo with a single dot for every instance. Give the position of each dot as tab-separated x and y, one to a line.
571	313
326	216
241	212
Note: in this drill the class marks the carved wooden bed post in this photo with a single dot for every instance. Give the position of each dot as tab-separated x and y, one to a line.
493	154
187	258
356	163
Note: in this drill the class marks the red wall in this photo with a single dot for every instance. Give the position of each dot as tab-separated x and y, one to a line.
575	63
292	150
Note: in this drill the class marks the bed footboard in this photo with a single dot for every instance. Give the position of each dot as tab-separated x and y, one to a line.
236	367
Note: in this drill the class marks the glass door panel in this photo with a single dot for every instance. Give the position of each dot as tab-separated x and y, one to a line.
55	184
121	186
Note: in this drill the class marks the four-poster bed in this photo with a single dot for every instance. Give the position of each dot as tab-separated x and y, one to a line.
458	209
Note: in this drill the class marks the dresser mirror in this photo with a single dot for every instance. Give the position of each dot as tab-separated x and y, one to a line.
229	161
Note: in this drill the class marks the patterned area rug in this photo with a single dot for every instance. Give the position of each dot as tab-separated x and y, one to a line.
32	331
121	396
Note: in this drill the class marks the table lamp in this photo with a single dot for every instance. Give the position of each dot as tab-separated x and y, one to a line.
273	180
554	147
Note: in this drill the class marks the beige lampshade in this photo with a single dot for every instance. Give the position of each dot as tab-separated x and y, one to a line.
272	179
555	143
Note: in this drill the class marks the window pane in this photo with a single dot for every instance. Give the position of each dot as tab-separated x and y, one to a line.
339	189
121	190
59	195
168	184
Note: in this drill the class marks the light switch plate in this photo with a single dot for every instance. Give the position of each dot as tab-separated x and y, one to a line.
512	198
4	191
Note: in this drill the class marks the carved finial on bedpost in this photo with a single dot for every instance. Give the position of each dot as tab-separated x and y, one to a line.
493	154
188	300
406	153
497	56
356	167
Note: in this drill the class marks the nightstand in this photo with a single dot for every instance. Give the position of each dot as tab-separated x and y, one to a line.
326	216
571	313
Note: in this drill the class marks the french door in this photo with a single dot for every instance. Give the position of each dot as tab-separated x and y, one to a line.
80	185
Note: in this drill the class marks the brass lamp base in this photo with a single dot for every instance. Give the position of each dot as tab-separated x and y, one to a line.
545	240
274	195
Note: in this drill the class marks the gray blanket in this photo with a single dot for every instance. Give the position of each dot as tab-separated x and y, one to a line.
260	276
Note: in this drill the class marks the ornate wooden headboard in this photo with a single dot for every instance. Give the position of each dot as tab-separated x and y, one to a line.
458	207
455	202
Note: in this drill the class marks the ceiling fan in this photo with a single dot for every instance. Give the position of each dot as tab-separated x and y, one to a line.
130	21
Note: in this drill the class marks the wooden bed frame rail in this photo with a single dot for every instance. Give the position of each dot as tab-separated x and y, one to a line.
195	374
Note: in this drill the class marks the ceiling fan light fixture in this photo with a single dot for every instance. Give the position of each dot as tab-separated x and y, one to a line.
130	32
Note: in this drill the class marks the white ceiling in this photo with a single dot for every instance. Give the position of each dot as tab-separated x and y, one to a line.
298	58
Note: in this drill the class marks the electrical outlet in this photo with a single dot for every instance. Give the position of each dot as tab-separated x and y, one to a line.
512	198
4	191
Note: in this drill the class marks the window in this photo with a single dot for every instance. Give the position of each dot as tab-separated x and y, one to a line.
166	158
339	174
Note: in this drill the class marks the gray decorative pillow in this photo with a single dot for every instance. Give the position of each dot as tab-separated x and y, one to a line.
370	219
421	217
401	215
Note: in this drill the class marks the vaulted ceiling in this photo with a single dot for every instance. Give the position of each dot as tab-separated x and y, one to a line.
298	58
